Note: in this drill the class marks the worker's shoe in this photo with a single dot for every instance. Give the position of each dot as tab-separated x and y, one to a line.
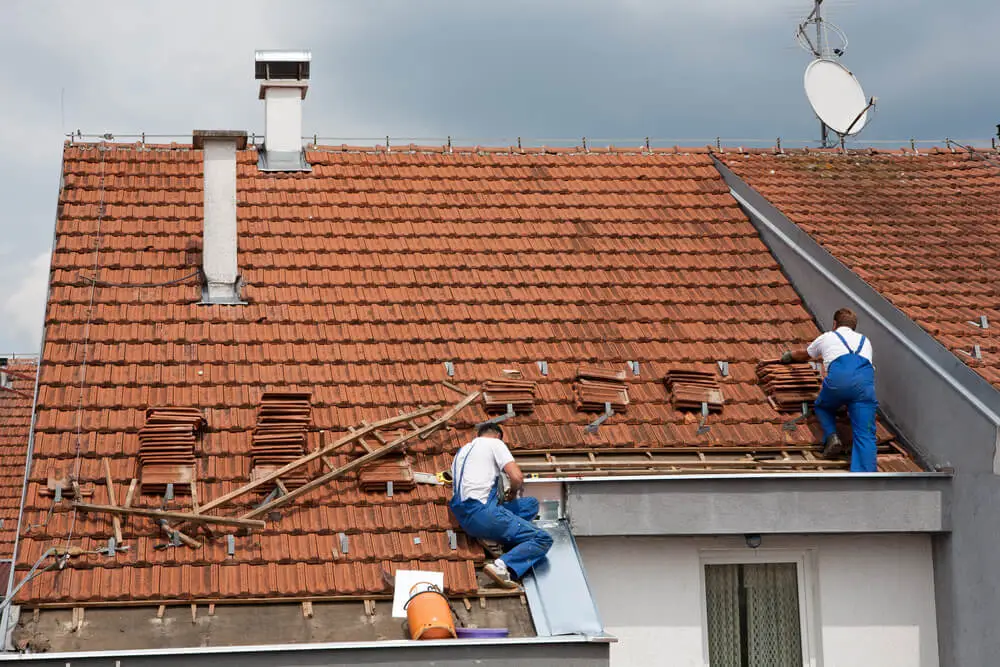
498	572
492	548
833	447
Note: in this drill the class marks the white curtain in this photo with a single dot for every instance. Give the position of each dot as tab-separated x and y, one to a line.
758	626
722	591
773	634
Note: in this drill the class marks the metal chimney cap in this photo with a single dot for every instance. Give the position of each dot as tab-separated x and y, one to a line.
239	137
282	65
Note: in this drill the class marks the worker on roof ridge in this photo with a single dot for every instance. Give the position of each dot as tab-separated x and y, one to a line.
487	510
850	381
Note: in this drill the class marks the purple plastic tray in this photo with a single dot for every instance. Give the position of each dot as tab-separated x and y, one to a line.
481	633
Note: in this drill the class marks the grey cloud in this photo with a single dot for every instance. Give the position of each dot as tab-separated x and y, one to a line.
482	71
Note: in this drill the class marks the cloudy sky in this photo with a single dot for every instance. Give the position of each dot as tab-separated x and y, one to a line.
678	71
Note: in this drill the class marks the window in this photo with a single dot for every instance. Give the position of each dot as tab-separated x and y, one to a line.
754	614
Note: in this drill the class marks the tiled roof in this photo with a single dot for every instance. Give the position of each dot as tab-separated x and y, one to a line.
363	278
15	429
919	228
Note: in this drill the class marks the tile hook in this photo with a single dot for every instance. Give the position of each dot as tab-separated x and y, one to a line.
593	426
792	424
499	418
703	427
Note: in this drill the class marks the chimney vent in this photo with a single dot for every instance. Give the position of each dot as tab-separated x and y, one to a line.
222	278
284	80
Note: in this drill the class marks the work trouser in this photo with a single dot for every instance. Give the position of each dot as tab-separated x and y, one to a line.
850	381
509	524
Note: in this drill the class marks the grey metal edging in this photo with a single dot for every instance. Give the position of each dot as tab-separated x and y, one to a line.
867	503
546	651
557	590
741	476
958	375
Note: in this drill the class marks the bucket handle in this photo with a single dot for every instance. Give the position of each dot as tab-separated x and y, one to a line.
424	629
431	588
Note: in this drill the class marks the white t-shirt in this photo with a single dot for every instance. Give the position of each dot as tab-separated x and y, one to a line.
829	346
487	457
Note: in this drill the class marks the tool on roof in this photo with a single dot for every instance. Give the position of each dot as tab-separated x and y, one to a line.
792	424
607	414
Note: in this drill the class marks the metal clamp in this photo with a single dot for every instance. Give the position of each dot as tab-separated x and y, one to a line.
500	418
703	427
723	368
593	426
983	323
543	367
792	424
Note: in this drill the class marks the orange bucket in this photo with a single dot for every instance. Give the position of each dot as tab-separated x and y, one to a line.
428	614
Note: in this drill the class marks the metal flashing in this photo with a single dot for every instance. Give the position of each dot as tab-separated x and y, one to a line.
282	160
558	594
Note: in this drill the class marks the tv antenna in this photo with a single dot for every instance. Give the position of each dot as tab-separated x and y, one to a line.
832	90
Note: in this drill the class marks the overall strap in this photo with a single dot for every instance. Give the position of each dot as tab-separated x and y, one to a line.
860	345
849	350
457	483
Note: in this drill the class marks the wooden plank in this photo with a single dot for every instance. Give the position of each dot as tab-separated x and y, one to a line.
161	610
164	514
454	387
363	460
131	492
113	499
298	463
194	613
307	609
105	604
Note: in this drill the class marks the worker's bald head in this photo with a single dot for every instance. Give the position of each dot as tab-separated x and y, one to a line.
845	317
490	431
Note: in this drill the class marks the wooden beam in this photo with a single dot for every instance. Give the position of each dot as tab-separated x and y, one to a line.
363	460
186	539
130	493
161	610
113	499
281	486
298	463
164	514
454	387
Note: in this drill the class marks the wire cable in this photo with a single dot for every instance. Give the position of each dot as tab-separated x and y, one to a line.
104	283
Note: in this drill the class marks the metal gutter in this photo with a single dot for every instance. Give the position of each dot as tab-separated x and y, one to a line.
744	194
741	476
566	650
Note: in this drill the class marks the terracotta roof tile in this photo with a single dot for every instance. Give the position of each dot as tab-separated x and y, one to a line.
913	226
364	277
15	429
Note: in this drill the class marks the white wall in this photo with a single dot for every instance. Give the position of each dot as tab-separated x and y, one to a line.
873	597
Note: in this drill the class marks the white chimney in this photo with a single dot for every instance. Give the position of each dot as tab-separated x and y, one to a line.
222	278
284	80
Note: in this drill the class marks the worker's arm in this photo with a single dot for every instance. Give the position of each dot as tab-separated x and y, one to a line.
516	477
795	356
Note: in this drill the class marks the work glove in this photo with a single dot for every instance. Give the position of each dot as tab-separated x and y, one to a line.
786	358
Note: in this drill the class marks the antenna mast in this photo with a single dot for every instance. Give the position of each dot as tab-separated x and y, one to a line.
820	48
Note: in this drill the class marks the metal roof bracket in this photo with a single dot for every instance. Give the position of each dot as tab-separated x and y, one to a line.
593	426
703	427
344	545
449	368
169	493
500	418
452	540
792	424
388	489
231	545
543	367
983	323
723	368
634	365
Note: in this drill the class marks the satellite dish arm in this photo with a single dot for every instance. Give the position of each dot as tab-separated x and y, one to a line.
871	103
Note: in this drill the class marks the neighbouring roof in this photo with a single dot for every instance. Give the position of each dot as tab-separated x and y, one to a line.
363	277
920	228
15	430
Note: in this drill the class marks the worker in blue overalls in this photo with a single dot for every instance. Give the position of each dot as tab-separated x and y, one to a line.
850	381
486	512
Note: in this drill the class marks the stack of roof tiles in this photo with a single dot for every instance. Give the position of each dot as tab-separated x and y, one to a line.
788	386
280	437
166	454
362	277
15	431
916	226
519	394
596	387
398	470
690	390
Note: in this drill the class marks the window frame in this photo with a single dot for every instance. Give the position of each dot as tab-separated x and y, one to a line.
805	570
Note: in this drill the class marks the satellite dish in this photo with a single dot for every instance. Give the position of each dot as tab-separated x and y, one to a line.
836	96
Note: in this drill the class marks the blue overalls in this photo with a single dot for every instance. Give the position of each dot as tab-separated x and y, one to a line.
850	380
507	523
